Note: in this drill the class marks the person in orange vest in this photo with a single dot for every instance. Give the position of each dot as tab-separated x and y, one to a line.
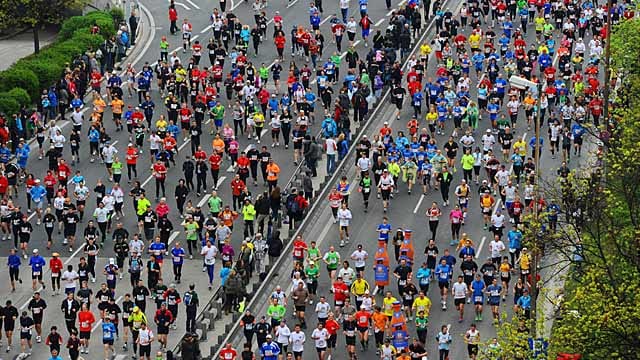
228	216
132	161
273	170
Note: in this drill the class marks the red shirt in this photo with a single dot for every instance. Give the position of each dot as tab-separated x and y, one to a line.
214	161
132	156
173	15
4	184
237	186
160	171
49	181
55	264
228	354
299	247
63	172
280	41
340	292
362	318
86	320
200	155
332	327
243	162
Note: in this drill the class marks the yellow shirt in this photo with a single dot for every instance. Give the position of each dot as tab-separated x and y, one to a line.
431	117
359	287
387	305
525	260
422	305
116	106
425	49
520	147
474	40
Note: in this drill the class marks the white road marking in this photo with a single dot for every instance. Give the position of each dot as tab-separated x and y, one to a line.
418	205
291	3
234	6
184	143
193	4
206	29
147	181
326	19
484	238
380	22
173	237
183	5
354	45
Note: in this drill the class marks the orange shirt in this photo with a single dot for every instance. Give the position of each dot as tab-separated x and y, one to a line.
86	320
116	106
272	172
379	320
218	145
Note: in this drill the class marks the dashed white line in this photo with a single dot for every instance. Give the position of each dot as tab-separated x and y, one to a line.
418	205
193	4
484	238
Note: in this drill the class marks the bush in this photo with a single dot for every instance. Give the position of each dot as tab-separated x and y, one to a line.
24	78
117	15
86	40
20	96
48	73
103	19
69	49
8	105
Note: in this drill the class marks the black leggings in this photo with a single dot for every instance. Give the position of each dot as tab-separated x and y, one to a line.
192	245
55	280
444	354
177	271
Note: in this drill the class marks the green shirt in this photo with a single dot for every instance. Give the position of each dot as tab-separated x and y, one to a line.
116	167
467	161
191	230
314	253
264	72
248	212
421	323
215	205
312	273
336	60
276	312
332	259
218	111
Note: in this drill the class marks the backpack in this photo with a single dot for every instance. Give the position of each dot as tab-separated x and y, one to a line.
187	298
293	205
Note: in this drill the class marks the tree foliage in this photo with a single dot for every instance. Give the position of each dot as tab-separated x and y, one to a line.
33	13
598	234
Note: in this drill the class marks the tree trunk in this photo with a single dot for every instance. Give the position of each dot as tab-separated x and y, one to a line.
36	40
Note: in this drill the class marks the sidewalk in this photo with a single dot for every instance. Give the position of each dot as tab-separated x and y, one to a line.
21	45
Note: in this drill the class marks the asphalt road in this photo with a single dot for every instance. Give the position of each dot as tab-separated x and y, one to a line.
408	212
198	14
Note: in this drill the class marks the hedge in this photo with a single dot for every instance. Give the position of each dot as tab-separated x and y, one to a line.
103	19
8	105
39	71
16	77
20	95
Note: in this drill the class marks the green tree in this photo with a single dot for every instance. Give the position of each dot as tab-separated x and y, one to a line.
36	13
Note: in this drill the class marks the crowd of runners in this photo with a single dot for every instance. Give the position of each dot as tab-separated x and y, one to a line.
214	102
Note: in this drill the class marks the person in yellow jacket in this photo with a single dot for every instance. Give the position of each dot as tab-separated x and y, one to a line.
248	215
394	170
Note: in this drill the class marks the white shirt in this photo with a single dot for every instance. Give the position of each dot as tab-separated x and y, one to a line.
359	256
117	194
503	177
108	153
145	336
344	4
322	309
101	214
496	248
459	290
282	334
320	337
497	220
209	254
297	340
344	215
347	275
69	278
488	141
331	146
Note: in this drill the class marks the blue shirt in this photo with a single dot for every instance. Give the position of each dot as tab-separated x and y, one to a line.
37	193
158	249
476	287
108	330
37	262
424	276
14	261
442	272
384	230
175	255
269	351
524	302
515	239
